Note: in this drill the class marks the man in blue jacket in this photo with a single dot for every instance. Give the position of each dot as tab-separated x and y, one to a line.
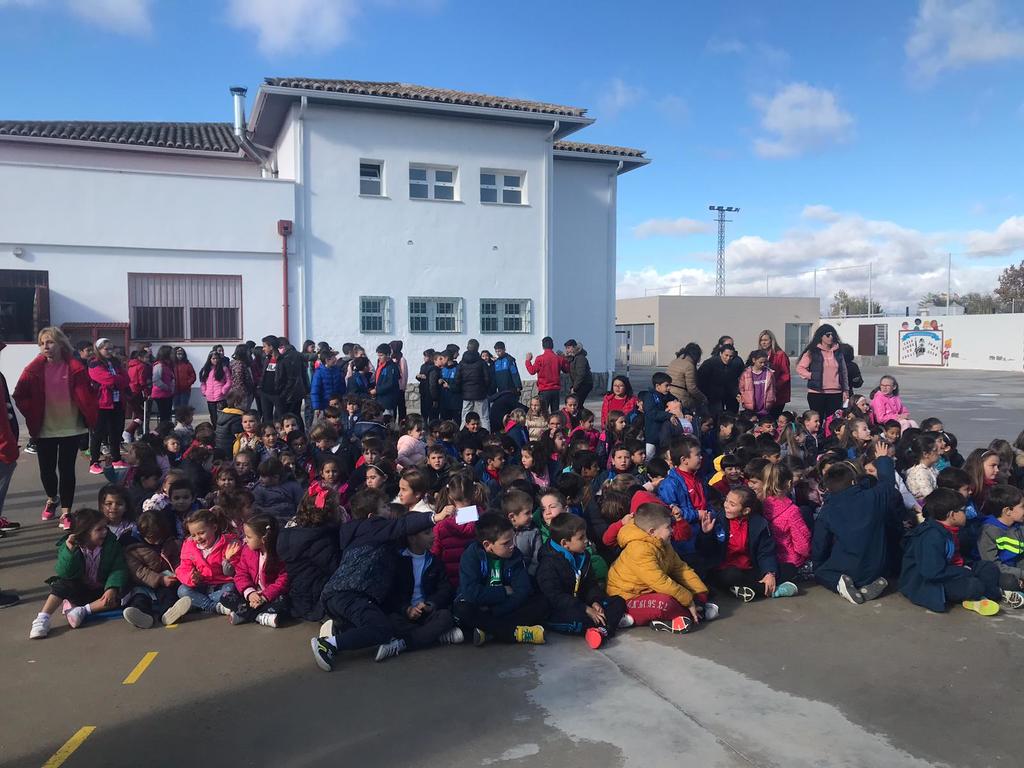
507	386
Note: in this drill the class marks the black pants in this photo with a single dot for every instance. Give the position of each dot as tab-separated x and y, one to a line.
234	600
451	414
57	467
983	582
582	393
549	401
293	407
271	407
500	408
824	404
165	598
361	621
165	407
726	578
75	591
424	632
470	616
109	426
401	411
576	621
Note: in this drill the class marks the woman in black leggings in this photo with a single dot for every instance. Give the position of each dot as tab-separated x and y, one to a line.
55	395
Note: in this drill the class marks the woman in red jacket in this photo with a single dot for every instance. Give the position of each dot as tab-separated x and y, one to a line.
778	361
111	380
184	377
55	395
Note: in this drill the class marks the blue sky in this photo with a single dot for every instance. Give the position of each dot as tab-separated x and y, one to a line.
847	133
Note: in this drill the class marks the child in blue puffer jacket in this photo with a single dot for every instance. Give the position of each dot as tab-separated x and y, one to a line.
328	381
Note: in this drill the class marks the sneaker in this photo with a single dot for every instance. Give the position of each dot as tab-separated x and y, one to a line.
849	590
786	589
595	636
746	594
267	620
7	600
76	616
480	637
387	650
95	469
805	572
31	448
174	614
533	634
327	629
65	523
119	465
678	625
126	437
626	621
983	607
323	653
40	627
222	609
49	510
235	618
874	589
1013	599
453	636
137	618
710	611
8	525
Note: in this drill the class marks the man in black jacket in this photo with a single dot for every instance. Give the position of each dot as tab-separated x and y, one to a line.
581	380
291	382
473	379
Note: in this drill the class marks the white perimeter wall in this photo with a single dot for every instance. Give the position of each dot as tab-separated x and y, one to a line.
88	228
975	342
583	267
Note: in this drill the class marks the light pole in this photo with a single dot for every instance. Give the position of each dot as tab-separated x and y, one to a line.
720	267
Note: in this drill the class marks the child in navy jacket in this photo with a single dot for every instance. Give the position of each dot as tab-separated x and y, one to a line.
934	573
494	599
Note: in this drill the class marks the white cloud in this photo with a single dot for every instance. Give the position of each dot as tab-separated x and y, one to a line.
1008	236
906	263
298	26
800	118
674	108
130	17
618	96
952	34
681	227
725	46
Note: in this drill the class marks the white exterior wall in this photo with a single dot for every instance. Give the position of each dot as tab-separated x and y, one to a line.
124	158
973	342
583	264
95	226
359	246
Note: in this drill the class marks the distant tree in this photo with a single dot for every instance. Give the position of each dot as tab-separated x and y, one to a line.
844	304
974	303
1011	283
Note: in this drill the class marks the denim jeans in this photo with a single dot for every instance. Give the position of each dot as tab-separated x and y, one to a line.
6	470
206	597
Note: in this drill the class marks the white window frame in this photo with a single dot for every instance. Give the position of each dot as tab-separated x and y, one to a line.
384	315
379	180
432	184
432	315
501	314
500	187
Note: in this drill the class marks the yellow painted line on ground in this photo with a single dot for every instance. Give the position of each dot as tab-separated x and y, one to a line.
141	667
69	747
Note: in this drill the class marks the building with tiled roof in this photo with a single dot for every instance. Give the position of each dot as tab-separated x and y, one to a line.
338	210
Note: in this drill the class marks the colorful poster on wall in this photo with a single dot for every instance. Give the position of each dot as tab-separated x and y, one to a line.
921	347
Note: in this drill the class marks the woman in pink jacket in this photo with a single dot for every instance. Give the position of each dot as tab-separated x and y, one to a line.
886	404
823	366
789	529
214	382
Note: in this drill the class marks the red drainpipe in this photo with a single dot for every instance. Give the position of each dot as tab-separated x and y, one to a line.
284	229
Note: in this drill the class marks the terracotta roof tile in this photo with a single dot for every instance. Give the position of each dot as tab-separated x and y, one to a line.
597	149
423	93
197	137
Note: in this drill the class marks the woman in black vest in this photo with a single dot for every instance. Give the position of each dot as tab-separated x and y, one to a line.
823	366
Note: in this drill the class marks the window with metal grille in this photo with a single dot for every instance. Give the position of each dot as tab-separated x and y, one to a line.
505	187
371	178
505	315
435	315
24	303
373	314
185	307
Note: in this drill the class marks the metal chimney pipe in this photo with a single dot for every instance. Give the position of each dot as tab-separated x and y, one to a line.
238	94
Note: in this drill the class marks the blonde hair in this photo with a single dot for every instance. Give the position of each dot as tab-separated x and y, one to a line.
770	335
58	337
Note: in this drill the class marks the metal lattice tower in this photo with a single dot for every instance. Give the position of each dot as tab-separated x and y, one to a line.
720	266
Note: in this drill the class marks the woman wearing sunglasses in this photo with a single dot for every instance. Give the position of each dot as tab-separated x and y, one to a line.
823	366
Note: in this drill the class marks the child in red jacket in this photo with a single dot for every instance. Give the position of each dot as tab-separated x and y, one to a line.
208	560
450	538
260	577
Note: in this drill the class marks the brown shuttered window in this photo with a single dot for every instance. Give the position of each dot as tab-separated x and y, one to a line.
185	307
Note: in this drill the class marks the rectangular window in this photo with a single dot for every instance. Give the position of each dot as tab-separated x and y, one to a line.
373	314
427	182
504	187
796	337
24	303
505	315
371	178
185	307
435	315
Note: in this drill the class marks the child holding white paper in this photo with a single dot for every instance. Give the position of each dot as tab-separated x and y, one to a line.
454	534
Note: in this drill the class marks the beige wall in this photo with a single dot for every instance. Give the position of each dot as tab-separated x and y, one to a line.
681	319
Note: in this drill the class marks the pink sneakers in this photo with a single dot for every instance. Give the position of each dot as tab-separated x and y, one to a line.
49	510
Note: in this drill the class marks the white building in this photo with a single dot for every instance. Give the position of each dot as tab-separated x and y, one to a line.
408	212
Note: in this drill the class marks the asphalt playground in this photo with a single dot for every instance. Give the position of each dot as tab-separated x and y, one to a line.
807	681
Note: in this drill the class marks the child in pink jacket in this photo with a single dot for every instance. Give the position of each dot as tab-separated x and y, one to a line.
791	534
260	576
886	404
208	559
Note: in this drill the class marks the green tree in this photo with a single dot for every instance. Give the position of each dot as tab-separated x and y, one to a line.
1011	283
844	304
